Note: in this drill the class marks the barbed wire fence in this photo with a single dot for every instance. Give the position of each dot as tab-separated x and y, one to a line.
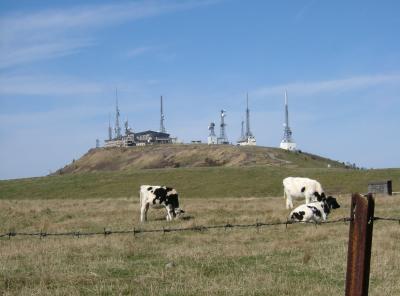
200	228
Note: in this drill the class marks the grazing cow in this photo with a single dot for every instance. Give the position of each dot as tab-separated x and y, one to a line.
159	197
300	187
315	211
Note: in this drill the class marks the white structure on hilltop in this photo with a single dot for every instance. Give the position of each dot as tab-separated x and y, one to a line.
162	118
287	141
212	138
223	139
247	139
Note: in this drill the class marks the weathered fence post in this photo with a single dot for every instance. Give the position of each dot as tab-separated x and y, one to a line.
360	242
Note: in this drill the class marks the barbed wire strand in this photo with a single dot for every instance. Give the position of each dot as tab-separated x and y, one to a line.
164	230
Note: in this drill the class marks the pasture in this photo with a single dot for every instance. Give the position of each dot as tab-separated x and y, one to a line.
274	260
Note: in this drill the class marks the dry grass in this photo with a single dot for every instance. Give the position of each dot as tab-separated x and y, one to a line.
173	156
271	261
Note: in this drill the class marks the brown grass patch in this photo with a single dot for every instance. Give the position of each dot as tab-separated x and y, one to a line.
269	261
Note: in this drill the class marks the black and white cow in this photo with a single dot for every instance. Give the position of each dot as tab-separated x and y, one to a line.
159	197
295	187
315	211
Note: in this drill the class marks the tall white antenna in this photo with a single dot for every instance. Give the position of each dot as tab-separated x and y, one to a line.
223	139
287	140
162	127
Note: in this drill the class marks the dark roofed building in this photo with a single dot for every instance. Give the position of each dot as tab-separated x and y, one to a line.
151	137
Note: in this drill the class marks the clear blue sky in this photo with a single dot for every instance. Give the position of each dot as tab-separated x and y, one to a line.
60	62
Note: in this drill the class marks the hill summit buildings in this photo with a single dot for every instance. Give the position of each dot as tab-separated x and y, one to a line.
246	139
127	137
130	138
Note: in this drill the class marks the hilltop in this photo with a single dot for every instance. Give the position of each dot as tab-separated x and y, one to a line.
190	156
199	171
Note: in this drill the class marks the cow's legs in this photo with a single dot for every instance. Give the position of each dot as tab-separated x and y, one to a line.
170	212
143	212
289	202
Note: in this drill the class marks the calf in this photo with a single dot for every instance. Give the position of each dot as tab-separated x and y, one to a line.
316	211
159	197
300	187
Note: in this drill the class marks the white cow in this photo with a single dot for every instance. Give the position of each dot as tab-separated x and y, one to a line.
315	211
295	187
159	197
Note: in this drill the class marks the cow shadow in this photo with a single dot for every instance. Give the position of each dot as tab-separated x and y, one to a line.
184	218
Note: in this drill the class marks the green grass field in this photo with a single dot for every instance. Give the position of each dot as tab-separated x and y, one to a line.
256	181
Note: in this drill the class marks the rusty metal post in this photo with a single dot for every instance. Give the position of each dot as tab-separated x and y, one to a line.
360	242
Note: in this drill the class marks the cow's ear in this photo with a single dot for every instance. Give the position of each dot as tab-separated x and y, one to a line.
319	197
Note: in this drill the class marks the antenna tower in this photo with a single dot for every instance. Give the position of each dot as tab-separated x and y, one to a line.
117	128
242	133
109	128
248	132
211	128
287	141
127	128
222	135
287	134
162	127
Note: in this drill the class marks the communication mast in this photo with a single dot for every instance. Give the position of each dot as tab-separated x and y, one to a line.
109	128
117	129
248	132
223	139
212	138
242	132
162	127
247	137
287	141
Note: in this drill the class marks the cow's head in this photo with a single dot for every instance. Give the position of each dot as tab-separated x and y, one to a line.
332	202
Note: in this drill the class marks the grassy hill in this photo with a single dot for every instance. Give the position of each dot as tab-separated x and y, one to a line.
199	171
175	156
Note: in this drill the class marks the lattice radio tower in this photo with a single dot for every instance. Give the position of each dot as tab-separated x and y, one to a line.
248	132
287	141
223	139
109	128
162	127
117	128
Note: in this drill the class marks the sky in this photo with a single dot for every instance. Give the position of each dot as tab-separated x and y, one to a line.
61	61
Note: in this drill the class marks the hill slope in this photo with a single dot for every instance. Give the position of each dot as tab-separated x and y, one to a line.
174	156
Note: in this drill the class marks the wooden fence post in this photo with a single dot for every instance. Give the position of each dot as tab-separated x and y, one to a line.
360	242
